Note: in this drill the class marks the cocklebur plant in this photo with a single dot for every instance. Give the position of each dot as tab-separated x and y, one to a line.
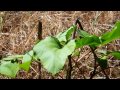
53	51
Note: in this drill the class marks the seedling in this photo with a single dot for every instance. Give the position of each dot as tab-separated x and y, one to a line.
53	51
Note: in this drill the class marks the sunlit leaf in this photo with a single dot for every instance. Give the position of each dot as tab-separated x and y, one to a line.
27	58
91	40
52	55
76	53
83	33
13	57
116	54
65	36
112	35
9	69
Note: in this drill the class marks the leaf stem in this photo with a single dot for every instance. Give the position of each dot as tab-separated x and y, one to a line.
95	66
68	76
79	23
76	64
69	70
95	56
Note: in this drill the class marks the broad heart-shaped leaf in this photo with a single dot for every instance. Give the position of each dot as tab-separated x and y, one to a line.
116	54
52	55
93	41
65	36
103	63
112	35
27	58
9	69
83	33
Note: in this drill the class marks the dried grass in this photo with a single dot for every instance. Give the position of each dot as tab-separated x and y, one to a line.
19	34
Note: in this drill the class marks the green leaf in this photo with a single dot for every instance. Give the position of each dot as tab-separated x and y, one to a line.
113	35
103	62
65	36
116	54
83	33
52	55
13	57
93	41
104	57
102	51
27	58
9	69
76	53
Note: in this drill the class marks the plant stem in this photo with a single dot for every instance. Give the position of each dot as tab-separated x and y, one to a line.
76	64
107	68
95	67
69	70
52	77
81	28
39	37
79	23
105	74
68	76
95	56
